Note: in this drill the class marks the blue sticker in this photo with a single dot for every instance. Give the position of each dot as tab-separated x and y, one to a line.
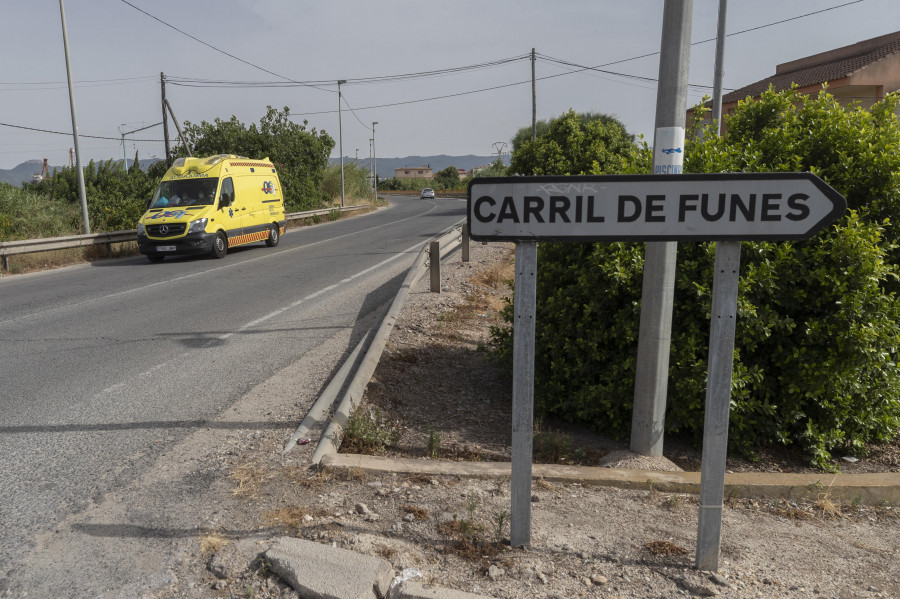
169	214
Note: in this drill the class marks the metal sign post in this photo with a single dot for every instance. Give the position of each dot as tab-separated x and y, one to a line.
525	306
718	399
726	207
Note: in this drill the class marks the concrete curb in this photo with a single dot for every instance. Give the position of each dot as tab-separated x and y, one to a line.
869	489
318	413
330	439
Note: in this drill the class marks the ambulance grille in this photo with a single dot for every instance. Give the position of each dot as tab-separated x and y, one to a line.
172	230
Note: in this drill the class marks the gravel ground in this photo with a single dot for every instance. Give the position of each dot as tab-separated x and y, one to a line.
197	523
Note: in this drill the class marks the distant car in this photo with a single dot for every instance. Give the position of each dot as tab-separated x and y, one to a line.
427	193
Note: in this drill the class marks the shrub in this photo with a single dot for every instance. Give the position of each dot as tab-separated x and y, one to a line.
817	335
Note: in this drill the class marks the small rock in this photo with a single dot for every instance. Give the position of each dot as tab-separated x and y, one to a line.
220	585
397	527
307	518
362	508
872	589
495	573
720	580
850	458
535	499
408	518
598	579
587	581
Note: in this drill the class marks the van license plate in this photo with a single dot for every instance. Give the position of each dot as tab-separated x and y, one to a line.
165	248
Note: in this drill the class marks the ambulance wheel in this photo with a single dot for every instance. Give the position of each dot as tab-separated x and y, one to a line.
220	246
155	258
273	238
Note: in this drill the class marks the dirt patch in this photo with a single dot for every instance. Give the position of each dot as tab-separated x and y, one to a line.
440	391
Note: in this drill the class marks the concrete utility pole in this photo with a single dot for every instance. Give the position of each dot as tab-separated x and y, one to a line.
651	376
341	137
533	99
719	69
86	223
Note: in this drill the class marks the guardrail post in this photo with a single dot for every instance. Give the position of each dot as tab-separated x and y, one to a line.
5	262
465	243
434	256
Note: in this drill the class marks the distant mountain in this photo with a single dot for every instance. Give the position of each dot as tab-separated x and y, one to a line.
25	171
28	169
386	166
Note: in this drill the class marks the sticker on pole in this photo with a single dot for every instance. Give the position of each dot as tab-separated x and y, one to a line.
668	151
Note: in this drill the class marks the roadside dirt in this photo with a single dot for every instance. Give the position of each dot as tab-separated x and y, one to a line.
433	383
197	524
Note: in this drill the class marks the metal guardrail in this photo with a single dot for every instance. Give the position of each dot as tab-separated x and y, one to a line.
415	193
47	244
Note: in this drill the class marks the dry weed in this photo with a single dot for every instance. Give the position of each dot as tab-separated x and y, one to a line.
665	548
385	551
212	543
544	484
418	513
353	474
249	479
418	478
290	516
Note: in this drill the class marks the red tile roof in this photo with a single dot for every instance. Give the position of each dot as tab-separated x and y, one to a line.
831	66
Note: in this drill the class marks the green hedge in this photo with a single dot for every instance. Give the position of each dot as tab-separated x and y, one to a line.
817	335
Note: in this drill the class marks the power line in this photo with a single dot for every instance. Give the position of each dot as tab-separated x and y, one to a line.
198	82
208	45
81	134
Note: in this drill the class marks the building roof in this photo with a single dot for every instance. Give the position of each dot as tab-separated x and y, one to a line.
822	68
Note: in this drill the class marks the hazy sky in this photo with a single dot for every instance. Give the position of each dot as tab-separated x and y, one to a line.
117	54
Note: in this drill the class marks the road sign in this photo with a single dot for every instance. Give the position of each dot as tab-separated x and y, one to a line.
699	207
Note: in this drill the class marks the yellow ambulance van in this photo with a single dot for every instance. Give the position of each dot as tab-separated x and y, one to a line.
207	205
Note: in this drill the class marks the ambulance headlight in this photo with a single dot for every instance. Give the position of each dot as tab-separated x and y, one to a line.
198	226
141	230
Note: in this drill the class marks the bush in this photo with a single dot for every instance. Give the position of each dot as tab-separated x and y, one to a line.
817	335
356	182
27	214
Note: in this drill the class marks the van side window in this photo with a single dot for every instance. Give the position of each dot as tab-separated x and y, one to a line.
226	196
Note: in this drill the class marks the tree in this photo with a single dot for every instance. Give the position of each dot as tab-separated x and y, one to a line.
300	155
576	144
447	178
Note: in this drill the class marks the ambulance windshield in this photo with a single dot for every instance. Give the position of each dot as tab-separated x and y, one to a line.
186	192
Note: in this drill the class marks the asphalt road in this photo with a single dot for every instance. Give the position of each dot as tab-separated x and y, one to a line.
104	367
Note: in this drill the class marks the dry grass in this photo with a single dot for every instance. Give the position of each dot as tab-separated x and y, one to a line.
290	516
25	263
385	551
418	478
353	474
545	484
665	548
498	274
248	479
212	543
418	513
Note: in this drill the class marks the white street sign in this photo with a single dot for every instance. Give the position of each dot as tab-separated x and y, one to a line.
700	207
